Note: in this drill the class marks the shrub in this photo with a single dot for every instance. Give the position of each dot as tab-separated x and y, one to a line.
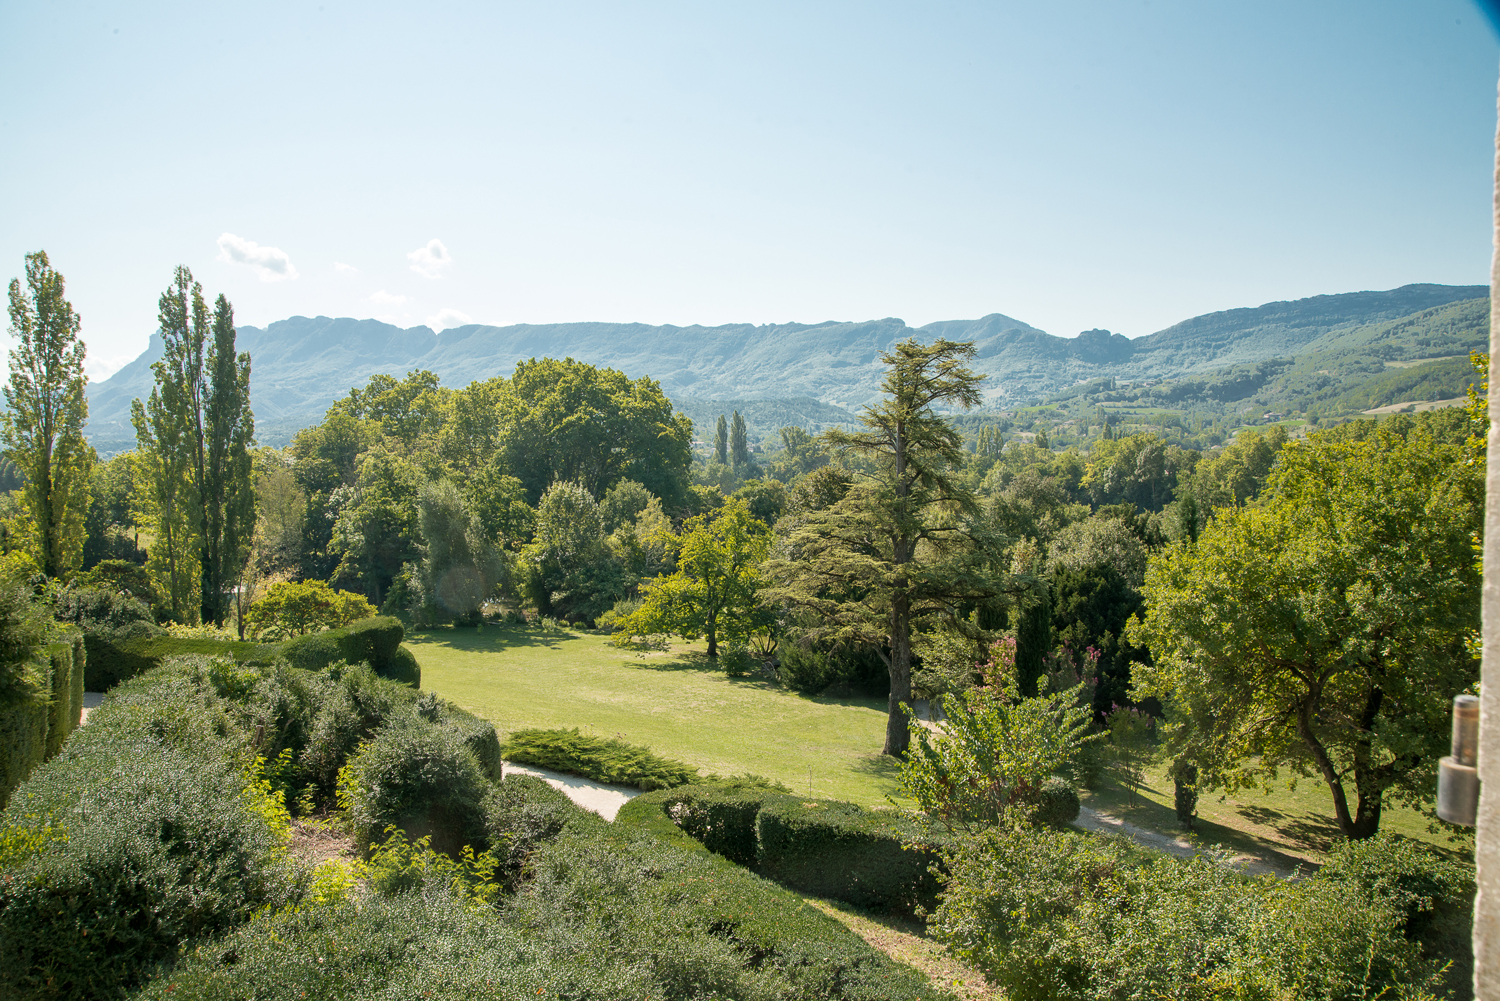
374	641
113	658
522	813
294	609
721	815
104	610
1063	914
805	668
868	858
421	779
406	946
736	661
1057	804
598	758
700	925
146	832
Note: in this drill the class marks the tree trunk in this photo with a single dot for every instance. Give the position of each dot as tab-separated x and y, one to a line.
713	638
897	735
1325	766
1366	784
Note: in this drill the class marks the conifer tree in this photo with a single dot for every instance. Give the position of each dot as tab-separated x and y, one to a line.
42	427
905	543
721	441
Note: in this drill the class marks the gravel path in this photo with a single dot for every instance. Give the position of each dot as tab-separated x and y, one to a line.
1093	820
91	702
600	797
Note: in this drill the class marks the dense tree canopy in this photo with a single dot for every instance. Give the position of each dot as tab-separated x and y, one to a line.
1323	628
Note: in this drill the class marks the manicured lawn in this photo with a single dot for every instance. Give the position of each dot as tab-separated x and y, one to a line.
675	703
1296	823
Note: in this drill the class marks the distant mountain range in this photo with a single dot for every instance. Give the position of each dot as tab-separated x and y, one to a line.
811	374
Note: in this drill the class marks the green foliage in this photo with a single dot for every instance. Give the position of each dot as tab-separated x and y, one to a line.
599	758
1130	743
565	421
377	527
994	756
567	570
809	668
25	719
904	543
1057	803
294	609
1288	635
421	779
399	865
150	832
699	924
719	815
1060	914
42	426
460	568
872	859
714	591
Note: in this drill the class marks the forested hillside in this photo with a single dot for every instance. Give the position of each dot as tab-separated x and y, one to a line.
303	364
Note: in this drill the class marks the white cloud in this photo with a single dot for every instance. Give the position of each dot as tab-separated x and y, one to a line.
271	263
449	318
345	269
385	298
429	261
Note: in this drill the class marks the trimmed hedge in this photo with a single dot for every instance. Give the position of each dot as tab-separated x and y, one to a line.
146	832
25	716
822	847
598	758
64	711
114	656
375	641
701	925
38	716
871	859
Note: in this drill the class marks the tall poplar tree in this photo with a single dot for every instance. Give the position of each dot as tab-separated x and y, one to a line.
739	447
721	441
42	427
196	430
905	542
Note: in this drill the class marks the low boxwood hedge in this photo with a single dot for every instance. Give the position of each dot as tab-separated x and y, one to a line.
603	759
115	655
822	847
869	858
375	641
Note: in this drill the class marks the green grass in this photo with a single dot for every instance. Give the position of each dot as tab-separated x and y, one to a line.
675	703
1294	825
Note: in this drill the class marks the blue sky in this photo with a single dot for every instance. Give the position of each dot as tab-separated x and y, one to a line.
1121	165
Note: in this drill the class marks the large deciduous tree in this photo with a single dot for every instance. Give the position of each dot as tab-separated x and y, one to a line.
42	426
1323	628
904	543
713	593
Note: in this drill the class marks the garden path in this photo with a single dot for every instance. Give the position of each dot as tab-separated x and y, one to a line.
600	797
1253	864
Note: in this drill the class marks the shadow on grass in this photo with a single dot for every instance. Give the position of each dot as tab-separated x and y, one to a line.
1109	797
489	639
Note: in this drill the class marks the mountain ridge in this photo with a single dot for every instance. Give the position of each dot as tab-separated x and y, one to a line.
300	365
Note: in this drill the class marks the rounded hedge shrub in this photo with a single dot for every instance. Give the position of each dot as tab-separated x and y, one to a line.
1057	804
421	779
